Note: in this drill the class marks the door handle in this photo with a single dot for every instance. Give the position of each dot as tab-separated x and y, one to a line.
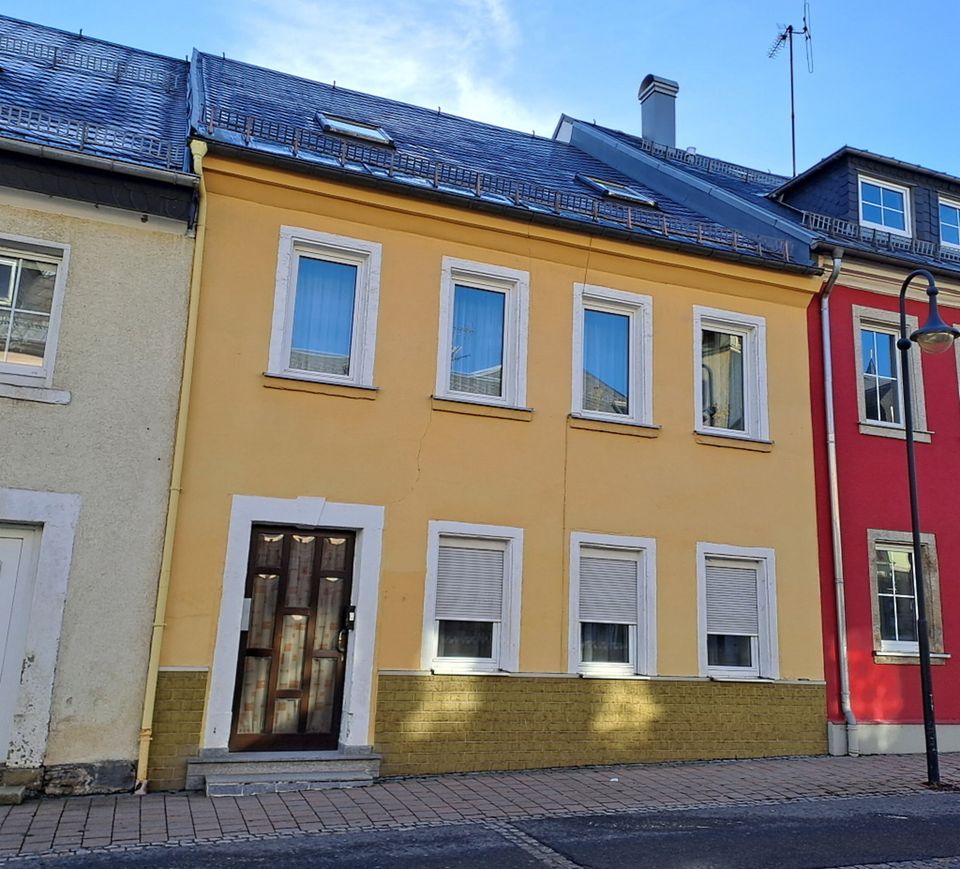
342	641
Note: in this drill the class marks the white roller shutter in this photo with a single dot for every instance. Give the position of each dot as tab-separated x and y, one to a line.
470	583
732	598
608	587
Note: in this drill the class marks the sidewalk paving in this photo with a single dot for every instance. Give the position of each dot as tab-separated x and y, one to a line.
125	822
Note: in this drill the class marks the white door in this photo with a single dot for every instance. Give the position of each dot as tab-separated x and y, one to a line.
18	563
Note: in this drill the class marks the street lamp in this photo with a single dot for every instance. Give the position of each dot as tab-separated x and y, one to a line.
934	336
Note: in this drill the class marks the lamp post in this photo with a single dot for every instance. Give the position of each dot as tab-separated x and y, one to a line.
934	336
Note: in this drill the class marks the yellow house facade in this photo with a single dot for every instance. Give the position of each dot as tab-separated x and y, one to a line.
391	546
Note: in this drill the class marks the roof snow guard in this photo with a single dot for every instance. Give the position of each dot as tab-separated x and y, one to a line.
838	228
390	164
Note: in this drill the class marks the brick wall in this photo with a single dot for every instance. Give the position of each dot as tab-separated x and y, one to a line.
431	724
176	726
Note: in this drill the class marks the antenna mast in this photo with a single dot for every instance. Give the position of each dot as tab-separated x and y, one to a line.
785	36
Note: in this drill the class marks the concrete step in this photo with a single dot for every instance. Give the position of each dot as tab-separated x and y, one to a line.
271	772
247	784
12	795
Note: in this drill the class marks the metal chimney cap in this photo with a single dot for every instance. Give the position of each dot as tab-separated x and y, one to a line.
655	84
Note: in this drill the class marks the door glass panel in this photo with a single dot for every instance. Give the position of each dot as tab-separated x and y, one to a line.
300	570
253	696
263	610
334	555
322	695
291	652
329	608
286	715
269	550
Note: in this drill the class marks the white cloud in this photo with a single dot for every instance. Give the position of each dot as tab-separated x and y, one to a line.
455	54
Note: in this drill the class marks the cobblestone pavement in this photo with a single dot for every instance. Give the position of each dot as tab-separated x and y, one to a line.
125	822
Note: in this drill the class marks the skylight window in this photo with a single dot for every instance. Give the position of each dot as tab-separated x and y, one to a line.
354	129
617	191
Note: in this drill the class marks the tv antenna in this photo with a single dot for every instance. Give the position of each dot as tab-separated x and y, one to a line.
785	35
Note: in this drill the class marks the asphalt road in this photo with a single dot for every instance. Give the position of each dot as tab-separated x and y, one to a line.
821	833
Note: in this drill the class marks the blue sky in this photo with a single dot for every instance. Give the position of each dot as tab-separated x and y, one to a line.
884	72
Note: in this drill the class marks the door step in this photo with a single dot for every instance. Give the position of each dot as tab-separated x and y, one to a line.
246	773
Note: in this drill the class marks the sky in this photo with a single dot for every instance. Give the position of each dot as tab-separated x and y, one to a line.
884	71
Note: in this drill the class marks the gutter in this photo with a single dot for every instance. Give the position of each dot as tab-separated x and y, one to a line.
198	149
104	164
853	743
300	167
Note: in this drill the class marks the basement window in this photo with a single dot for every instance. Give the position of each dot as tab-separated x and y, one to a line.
617	191
354	129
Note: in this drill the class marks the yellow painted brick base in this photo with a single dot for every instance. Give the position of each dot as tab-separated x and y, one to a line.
176	726
432	724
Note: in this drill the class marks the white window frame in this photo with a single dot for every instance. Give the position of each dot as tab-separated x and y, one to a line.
903	541
767	660
366	256
515	285
55	252
753	330
643	639
639	309
888	322
506	636
896	188
950	203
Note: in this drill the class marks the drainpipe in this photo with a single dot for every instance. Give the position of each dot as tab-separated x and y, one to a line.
853	743
198	150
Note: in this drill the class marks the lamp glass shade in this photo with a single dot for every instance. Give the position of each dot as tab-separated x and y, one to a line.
934	342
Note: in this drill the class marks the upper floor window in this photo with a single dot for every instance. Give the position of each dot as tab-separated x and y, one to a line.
950	223
613	611
730	370
884	206
472	597
482	355
32	275
325	308
880	388
612	354
738	612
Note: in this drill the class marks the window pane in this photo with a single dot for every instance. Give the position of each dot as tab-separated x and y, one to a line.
722	380
892	199
476	345
465	640
885	347
894	219
949	228
28	337
872	213
881	389
607	644
8	271
906	620
323	316
728	650
35	290
870	193
888	619
606	361
949	234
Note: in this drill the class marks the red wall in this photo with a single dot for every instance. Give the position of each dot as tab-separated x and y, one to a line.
872	475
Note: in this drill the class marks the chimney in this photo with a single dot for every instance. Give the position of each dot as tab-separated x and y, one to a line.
658	109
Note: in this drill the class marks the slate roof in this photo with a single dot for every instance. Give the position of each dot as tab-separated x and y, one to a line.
275	114
90	96
763	189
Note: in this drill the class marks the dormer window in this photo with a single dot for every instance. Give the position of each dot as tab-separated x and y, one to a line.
617	191
354	129
884	206
949	223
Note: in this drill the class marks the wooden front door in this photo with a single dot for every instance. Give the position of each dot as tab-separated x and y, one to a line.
293	640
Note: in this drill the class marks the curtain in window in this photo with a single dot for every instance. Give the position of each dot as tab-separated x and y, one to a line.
606	360
722	380
323	316
476	343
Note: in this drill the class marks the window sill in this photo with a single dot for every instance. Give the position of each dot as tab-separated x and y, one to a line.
737	442
633	429
936	658
869	428
475	408
42	394
453	670
614	675
293	383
